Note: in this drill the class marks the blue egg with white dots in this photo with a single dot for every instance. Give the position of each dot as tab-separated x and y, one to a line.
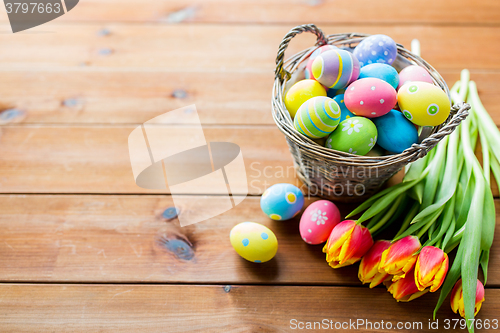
282	201
376	49
344	112
254	242
384	72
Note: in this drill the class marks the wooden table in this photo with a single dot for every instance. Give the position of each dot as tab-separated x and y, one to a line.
82	248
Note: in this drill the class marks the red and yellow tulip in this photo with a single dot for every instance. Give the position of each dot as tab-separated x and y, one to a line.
405	288
431	268
400	257
457	299
348	242
368	268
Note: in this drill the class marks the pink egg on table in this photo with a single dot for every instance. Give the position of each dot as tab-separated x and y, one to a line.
370	97
414	73
318	221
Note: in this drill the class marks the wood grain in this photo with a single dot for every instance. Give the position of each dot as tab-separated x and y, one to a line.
95	159
220	48
127	97
133	308
125	239
281	11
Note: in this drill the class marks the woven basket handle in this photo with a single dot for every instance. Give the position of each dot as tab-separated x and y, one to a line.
280	71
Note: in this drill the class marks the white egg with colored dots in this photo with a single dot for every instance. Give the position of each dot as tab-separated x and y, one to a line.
423	103
254	242
282	201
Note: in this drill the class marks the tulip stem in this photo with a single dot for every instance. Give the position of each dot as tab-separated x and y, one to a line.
413	211
387	216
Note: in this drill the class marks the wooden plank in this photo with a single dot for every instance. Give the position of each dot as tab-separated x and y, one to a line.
124	97
140	308
122	239
95	159
281	11
217	48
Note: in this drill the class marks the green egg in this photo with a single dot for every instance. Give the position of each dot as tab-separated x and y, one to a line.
355	135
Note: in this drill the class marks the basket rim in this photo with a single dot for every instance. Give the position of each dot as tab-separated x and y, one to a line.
284	122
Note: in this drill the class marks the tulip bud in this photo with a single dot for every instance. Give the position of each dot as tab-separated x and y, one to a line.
400	257
405	289
457	299
347	243
368	268
431	268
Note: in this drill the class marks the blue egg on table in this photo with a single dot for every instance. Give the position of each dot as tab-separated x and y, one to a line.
384	72
344	112
376	49
282	201
395	132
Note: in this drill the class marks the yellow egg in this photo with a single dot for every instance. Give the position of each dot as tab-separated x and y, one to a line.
423	103
301	92
254	242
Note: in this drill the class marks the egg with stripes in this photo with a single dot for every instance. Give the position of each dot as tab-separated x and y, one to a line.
301	92
376	49
370	97
282	201
335	69
414	73
317	52
254	242
423	103
356	135
317	117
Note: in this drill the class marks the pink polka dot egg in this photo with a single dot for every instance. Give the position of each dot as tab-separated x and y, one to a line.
414	73
318	221
370	97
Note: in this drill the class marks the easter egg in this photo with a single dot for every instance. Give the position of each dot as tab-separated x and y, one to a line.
317	117
423	103
370	97
356	135
344	112
254	242
317	52
301	92
414	73
335	69
395	132
376	49
318	221
282	201
384	72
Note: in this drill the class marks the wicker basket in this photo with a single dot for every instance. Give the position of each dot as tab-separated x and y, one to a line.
334	174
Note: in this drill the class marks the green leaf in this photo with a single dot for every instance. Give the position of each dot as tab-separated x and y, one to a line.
495	167
471	239
447	217
422	223
489	220
386	200
432	180
448	183
449	234
485	258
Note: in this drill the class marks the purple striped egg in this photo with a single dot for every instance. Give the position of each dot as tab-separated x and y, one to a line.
314	55
335	69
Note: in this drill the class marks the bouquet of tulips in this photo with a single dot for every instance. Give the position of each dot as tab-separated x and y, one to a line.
443	203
